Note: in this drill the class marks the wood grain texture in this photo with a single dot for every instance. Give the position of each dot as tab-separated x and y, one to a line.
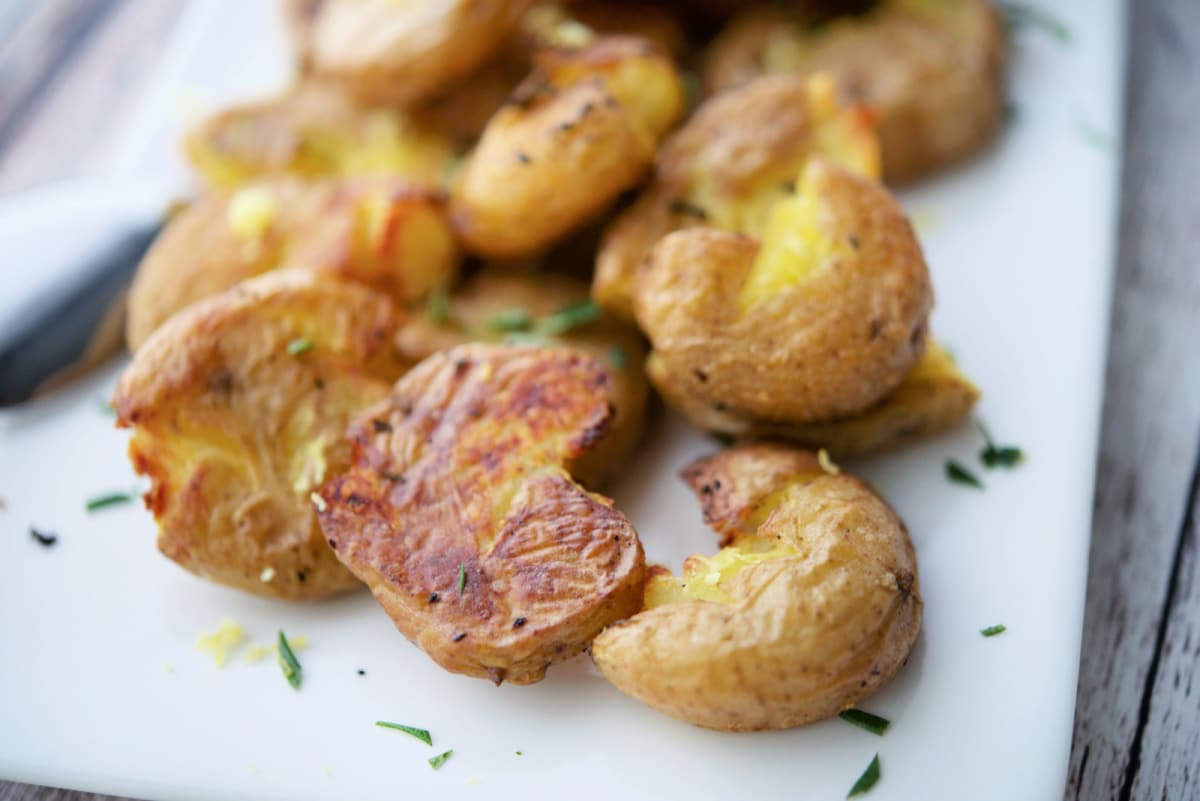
1136	730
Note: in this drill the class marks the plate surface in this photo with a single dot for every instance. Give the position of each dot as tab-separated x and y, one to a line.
102	688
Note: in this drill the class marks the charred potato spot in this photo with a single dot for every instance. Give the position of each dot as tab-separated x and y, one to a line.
376	231
934	71
236	426
777	330
471	312
579	131
812	605
933	398
483	513
313	131
730	165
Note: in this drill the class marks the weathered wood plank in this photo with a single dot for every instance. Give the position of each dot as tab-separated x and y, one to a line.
1151	430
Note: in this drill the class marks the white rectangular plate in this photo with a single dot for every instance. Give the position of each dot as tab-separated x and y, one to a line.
1021	247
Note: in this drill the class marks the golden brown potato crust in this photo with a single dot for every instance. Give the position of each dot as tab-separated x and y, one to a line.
819	346
935	71
390	52
934	397
376	231
730	162
235	431
814	605
471	316
460	515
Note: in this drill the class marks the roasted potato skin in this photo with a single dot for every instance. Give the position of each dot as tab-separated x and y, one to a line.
816	349
735	156
460	515
373	230
933	398
826	620
471	313
935	72
235	432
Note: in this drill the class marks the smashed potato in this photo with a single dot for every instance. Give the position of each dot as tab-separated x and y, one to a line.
390	51
818	322
933	70
727	167
315	130
549	310
239	405
812	604
579	131
934	397
461	515
375	231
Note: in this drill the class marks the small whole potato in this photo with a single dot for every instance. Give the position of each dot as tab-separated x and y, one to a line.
238	407
817	322
461	515
812	604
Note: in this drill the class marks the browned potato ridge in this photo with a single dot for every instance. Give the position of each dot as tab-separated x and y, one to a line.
734	158
934	71
471	314
376	231
239	404
460	514
819	322
934	397
813	605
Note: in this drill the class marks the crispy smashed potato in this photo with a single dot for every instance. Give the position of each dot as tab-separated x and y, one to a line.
818	322
375	231
934	397
812	604
727	167
933	70
460	513
401	51
316	130
503	305
239	405
580	130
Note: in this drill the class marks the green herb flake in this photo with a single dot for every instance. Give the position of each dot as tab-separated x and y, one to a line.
865	720
867	780
1020	15
288	662
111	499
520	754
437	306
617	357
992	631
510	320
573	316
526	339
994	455
299	345
462	577
960	475
421	734
436	762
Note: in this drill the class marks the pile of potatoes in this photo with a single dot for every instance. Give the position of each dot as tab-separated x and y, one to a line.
412	325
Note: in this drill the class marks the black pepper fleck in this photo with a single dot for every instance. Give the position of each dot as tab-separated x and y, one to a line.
43	538
381	426
434	597
518	623
462	635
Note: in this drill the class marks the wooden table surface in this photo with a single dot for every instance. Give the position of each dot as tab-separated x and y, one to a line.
70	68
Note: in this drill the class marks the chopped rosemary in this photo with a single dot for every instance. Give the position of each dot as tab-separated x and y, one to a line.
573	316
617	357
992	631
994	455
111	499
961	475
421	734
867	780
436	762
462	577
299	345
515	319
437	306
865	720
1020	15
288	662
